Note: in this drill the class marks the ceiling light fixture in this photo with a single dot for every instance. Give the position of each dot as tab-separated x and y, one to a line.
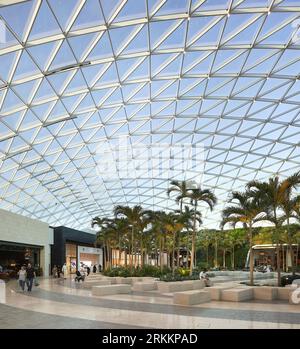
67	68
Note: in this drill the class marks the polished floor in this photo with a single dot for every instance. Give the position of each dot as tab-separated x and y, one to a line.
65	305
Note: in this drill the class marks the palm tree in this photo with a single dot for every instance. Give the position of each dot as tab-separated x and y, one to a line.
172	224
101	237
276	195
134	217
198	195
287	204
187	216
205	241
235	238
181	188
296	215
246	210
156	220
121	228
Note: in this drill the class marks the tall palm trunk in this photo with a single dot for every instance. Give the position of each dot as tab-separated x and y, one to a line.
132	250
251	255
224	258
178	238
173	253
278	263
207	256
193	240
232	258
291	247
161	254
216	254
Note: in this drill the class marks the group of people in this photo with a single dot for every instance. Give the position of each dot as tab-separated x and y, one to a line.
83	271
26	276
57	271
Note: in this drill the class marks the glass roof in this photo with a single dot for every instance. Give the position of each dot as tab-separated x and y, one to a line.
75	75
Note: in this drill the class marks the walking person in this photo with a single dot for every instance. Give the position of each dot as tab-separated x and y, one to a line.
22	277
65	271
94	269
58	271
54	272
88	270
30	275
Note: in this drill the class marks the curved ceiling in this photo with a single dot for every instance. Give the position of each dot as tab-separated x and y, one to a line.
75	75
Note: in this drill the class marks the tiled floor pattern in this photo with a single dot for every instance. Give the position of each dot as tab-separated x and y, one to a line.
56	305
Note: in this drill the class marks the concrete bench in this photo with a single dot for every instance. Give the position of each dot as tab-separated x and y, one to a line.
216	291
265	293
91	283
175	286
198	284
144	286
237	294
283	293
191	297
123	280
110	290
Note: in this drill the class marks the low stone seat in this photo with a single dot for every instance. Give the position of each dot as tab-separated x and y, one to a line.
122	280
175	286
265	293
198	284
237	294
91	283
191	297
216	291
110	290
283	293
144	286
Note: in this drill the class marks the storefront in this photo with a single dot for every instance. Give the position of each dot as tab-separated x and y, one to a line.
75	248
24	240
13	255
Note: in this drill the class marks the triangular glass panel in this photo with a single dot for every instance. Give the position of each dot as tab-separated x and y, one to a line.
139	43
81	44
110	76
25	67
11	15
42	53
248	33
174	40
131	10
102	49
120	36
29	120
85	104
44	92
89	16
77	83
42	28
64	10
210	37
7	61
26	89
11	102
64	57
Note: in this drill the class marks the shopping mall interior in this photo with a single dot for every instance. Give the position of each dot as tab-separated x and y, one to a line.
149	164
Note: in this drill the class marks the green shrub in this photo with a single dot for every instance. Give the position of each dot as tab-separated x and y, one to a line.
147	270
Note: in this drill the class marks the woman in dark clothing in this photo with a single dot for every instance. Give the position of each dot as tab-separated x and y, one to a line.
94	269
30	275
